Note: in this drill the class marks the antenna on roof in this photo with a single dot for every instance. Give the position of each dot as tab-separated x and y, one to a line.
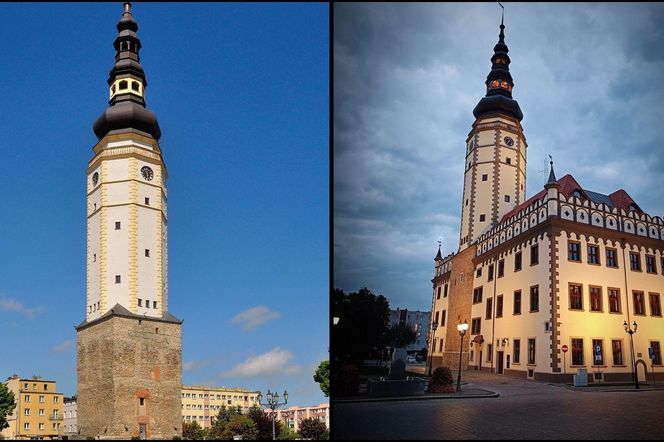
545	166
502	18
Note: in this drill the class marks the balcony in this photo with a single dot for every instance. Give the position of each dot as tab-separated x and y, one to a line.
55	417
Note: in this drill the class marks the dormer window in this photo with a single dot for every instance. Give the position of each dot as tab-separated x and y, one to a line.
631	208
576	194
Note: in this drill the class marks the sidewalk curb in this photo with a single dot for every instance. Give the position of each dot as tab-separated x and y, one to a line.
489	394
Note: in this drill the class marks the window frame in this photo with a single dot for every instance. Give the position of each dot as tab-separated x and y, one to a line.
635	265
536	287
614	258
570	251
613	353
518	259
572	340
569	290
642	304
651	296
593	258
514	312
534	351
599	297
617	290
516	351
535	248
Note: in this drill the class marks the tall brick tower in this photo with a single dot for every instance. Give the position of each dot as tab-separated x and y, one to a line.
129	346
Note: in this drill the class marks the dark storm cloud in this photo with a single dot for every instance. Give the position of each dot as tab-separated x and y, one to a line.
406	79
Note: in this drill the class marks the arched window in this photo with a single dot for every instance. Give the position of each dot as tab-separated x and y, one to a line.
123	84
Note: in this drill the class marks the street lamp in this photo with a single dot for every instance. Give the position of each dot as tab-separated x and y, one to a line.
273	403
462	331
434	326
629	330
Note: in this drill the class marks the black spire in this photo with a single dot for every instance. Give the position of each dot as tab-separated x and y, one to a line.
127	84
552	176
499	84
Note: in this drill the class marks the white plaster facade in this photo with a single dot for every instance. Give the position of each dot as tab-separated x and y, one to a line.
127	225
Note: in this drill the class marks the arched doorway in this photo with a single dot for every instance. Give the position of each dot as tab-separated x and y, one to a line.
641	370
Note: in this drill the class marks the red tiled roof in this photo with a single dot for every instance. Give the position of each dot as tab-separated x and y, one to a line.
568	185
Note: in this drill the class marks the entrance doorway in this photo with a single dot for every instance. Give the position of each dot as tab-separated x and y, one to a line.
500	362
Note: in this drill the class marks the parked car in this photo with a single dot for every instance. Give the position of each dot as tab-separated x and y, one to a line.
419	357
411	359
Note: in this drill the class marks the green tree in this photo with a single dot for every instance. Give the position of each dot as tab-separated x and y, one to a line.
263	423
240	425
192	431
401	336
322	376
287	433
7	405
313	429
362	327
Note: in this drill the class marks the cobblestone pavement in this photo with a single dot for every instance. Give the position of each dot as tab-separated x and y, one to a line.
524	410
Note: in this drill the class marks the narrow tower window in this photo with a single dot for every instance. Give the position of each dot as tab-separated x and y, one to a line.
123	85
147	201
117	225
147	253
117	279
140	302
154	304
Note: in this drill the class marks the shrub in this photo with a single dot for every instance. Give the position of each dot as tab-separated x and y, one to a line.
441	381
347	381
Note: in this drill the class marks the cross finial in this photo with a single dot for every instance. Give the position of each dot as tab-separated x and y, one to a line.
551	162
502	18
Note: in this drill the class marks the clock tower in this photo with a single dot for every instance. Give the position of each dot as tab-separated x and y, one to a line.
495	166
129	346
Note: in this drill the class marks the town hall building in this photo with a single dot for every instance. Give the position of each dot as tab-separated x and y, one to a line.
550	284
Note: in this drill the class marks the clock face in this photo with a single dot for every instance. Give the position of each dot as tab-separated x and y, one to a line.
147	173
509	141
95	179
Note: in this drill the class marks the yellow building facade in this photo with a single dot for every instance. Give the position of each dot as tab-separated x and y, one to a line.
202	404
38	412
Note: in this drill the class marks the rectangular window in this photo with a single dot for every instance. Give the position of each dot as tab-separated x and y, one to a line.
499	306
517	351
616	347
445	291
477	295
26	412
491	272
577	351
485	177
611	258
517	262
117	279
595	299
154	304
614	300
593	255
531	351
26	398
501	268
26	426
438	294
534	254
575	298
479	272
656	350
489	352
635	261
639	307
534	298
41	412
655	307
440	349
41	398
141	401
41	426
650	264
435	321
147	201
476	326
147	255
140	302
573	251
517	302
598	357
507	197
55	401
482	217
117	225
442	317
489	307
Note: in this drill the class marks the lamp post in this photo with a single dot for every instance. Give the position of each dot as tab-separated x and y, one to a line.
462	332
273	403
629	330
434	326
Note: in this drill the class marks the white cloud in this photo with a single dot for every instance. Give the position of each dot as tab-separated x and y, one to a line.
273	363
12	305
254	317
192	365
64	346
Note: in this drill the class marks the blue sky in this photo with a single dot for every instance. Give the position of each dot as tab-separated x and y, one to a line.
588	78
241	92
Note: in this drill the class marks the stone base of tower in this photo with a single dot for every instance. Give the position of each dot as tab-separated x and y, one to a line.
129	378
